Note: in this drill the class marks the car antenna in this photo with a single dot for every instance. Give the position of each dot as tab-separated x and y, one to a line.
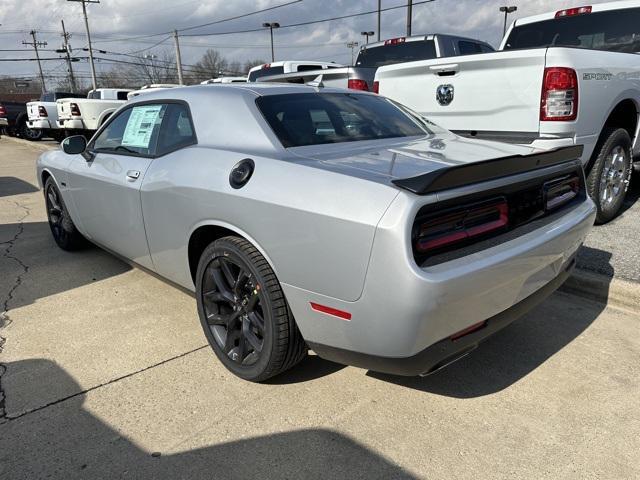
317	82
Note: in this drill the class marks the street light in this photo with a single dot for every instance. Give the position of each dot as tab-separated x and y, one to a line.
367	34
271	26
352	45
507	11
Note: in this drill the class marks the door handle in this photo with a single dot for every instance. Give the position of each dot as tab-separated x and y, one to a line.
133	175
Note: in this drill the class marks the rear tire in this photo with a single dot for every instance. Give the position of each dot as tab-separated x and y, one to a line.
30	134
244	313
610	174
64	232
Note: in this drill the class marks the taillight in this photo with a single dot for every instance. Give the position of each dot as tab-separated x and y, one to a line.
559	101
571	12
560	191
356	84
266	65
3	111
376	87
75	110
460	225
395	41
42	111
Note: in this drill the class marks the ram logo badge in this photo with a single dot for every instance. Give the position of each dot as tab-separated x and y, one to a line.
444	94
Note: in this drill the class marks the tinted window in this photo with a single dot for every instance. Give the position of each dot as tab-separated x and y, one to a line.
176	131
313	119
308	68
94	95
122	95
617	31
468	48
401	52
135	131
486	48
265	72
48	97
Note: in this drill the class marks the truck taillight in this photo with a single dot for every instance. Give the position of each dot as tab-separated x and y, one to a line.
571	12
356	84
461	225
75	110
376	87
559	101
42	111
266	65
395	41
3	111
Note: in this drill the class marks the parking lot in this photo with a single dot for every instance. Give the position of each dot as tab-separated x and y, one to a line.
105	373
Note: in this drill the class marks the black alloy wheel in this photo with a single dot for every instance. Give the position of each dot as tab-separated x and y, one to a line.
62	227
243	311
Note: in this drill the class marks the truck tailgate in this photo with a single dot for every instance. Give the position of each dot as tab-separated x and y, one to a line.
497	91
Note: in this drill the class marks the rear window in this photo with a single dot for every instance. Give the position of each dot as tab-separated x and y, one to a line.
615	30
398	53
265	72
313	119
122	95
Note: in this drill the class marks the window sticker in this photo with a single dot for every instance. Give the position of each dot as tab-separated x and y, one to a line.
140	126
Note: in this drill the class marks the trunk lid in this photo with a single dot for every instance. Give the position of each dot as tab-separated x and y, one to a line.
497	91
386	160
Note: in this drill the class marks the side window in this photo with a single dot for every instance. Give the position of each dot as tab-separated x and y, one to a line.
468	48
177	129
134	130
122	95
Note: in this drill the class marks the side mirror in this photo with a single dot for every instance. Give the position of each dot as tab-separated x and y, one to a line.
74	145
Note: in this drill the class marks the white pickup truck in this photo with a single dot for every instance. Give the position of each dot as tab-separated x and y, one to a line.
565	77
86	115
43	114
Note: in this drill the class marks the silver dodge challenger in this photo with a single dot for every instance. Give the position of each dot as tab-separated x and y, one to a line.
305	217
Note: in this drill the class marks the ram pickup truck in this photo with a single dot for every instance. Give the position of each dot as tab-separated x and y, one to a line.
375	55
43	114
86	115
13	121
565	77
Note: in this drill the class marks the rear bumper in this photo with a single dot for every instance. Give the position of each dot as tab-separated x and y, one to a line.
445	351
70	124
4	122
41	125
405	310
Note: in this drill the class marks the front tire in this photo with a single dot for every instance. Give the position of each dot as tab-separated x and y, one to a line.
64	232
243	311
609	178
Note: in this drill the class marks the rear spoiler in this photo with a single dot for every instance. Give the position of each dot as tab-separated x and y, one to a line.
461	175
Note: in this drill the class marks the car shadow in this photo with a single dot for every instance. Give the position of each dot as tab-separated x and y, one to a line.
67	441
15	186
43	268
632	195
510	355
311	368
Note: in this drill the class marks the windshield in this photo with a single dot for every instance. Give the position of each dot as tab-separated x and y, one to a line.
396	53
313	119
615	30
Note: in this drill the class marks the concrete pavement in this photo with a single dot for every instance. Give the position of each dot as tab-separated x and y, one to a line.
108	376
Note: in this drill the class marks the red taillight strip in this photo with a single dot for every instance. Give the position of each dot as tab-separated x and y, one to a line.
330	311
473	328
459	231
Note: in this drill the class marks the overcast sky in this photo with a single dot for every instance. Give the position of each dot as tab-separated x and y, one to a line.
114	19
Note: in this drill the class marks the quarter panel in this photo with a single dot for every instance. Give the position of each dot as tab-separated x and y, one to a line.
315	226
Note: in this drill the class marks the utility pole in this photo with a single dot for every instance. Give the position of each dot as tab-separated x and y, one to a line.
352	45
67	50
86	24
379	15
178	58
409	15
35	44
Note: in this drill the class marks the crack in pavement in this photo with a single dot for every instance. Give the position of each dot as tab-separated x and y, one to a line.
4	313
8	418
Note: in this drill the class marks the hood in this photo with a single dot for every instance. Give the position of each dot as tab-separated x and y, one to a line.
387	160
